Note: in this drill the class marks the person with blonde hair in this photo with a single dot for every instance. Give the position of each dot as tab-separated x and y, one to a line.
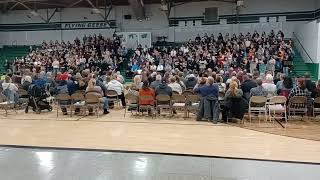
233	91
96	90
234	104
137	81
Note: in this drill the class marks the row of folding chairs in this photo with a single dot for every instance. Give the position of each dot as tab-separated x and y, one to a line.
186	103
7	103
78	101
278	107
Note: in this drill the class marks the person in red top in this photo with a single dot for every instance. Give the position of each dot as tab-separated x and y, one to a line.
147	91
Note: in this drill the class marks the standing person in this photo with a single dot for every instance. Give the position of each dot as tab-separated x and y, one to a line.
56	66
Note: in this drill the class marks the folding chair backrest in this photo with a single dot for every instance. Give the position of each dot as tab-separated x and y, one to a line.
131	98
91	99
278	100
298	100
258	100
187	93
178	98
317	100
163	98
111	93
83	92
193	98
77	97
146	98
63	97
174	92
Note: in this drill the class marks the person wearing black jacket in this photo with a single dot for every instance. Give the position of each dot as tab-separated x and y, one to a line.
247	85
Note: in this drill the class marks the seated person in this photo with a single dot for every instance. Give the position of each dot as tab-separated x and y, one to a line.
157	82
10	90
176	87
26	83
146	91
234	102
259	90
96	90
115	85
62	88
269	85
163	88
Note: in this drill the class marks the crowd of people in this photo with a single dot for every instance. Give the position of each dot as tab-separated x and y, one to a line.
95	53
236	66
265	52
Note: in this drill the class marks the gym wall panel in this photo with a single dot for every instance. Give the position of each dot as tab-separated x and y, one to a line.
308	36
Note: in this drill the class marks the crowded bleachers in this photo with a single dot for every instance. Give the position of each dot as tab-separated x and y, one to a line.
206	75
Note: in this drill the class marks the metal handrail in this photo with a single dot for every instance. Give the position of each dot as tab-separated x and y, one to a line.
296	37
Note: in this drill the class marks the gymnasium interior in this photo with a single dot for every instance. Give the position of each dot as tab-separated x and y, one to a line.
159	90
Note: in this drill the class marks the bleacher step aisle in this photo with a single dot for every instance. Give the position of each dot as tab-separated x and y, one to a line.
300	67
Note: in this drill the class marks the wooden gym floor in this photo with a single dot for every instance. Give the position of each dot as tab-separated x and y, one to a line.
163	135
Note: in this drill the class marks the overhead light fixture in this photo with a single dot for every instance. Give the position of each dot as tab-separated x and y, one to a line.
34	13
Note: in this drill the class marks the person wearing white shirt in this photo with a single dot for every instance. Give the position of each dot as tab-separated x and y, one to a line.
176	87
173	53
269	86
115	85
10	90
56	66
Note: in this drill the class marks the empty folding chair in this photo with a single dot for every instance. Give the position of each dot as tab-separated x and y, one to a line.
298	104
257	104
193	102
179	103
188	92
277	108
